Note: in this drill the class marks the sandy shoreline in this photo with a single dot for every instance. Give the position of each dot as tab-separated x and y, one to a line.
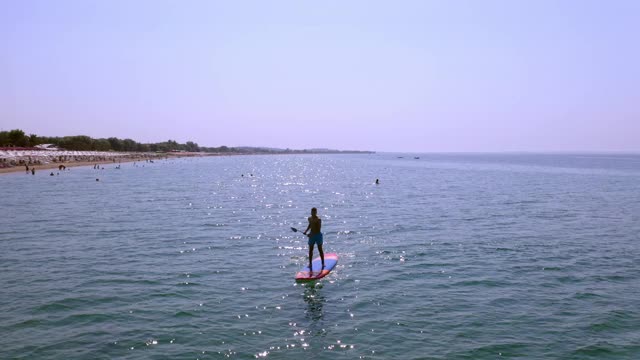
132	157
50	161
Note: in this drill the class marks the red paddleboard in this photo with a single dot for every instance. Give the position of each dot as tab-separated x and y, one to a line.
317	272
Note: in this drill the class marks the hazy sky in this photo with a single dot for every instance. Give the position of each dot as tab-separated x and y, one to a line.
420	76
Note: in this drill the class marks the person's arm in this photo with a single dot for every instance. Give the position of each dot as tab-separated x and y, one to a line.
308	227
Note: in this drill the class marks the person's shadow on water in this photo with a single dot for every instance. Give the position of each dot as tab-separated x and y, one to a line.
314	299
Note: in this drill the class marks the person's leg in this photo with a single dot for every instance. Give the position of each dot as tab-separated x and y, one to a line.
321	254
311	257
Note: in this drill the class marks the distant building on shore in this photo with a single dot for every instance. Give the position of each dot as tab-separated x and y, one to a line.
50	147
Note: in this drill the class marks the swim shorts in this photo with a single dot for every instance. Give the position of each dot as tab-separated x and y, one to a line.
315	239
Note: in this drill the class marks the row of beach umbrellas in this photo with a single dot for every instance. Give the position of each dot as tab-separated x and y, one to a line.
13	154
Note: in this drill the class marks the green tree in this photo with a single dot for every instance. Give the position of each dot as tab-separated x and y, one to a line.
116	144
102	145
4	138
163	147
192	147
18	138
128	145
33	140
77	143
142	147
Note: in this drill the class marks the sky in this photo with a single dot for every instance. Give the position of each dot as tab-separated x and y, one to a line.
398	76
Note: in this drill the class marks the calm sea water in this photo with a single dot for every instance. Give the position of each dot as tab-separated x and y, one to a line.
449	257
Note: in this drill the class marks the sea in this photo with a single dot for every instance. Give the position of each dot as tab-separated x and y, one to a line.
450	256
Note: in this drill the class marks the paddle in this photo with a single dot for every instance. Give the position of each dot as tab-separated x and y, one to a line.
296	230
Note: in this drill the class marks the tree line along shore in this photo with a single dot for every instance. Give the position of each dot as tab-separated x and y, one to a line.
17	139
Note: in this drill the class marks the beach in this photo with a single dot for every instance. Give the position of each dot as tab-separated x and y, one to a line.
12	161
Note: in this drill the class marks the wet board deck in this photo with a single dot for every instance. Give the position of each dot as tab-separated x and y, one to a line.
330	261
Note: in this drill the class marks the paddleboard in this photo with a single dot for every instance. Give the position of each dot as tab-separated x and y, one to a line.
317	272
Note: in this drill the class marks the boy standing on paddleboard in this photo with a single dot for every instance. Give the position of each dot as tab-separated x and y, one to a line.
315	236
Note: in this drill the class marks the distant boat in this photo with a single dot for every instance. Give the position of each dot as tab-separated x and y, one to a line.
417	157
400	157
